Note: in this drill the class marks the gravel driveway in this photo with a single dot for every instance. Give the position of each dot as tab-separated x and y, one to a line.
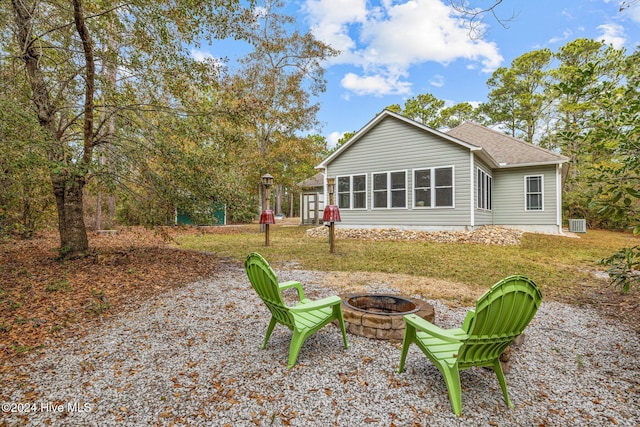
192	357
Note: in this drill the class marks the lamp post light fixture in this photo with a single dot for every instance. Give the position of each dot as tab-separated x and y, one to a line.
267	217
331	214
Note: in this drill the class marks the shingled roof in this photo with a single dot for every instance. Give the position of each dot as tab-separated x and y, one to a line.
504	149
315	181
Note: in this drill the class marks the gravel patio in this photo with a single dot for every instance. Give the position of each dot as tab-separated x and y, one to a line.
191	357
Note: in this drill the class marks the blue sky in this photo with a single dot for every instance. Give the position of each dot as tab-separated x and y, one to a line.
393	50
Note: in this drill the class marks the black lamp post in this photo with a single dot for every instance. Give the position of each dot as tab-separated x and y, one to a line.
331	213
266	217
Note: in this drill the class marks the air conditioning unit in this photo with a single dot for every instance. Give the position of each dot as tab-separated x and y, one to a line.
578	225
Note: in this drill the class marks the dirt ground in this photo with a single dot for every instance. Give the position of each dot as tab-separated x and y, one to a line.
44	300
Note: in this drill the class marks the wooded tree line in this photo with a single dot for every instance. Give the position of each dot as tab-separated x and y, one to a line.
103	108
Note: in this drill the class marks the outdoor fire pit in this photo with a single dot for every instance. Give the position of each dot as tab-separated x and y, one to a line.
380	316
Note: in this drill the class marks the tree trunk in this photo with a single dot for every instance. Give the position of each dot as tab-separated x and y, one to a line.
99	210
278	190
73	234
290	204
68	177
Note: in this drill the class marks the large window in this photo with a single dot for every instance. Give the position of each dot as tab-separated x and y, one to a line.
433	187
533	193
422	188
485	184
390	190
352	192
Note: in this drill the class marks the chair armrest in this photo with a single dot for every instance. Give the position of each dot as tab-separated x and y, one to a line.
427	327
471	314
293	284
314	305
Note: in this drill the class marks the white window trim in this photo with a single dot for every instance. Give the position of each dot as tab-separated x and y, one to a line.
351	208
487	195
389	190
526	208
433	187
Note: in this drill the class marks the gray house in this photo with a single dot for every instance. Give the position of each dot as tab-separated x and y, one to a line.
398	173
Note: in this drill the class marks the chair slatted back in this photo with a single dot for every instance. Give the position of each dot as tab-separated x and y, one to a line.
264	281
501	314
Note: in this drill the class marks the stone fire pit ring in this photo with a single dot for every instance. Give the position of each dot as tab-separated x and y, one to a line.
380	316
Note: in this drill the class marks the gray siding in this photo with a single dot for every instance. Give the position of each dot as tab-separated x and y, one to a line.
509	196
393	145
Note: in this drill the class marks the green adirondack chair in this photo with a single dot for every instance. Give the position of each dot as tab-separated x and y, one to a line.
304	318
501	314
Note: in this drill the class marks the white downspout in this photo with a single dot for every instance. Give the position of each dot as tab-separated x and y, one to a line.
559	197
472	190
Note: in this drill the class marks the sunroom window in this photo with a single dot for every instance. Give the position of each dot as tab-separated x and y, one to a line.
390	190
352	192
433	187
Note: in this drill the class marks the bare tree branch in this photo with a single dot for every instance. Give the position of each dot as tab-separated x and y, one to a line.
627	4
474	15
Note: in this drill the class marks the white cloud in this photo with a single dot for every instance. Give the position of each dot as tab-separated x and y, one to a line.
386	40
333	138
201	56
566	34
330	20
377	85
613	34
437	81
632	12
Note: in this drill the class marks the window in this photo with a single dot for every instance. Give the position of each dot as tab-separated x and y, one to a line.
422	188
352	192
533	193
485	184
444	187
359	191
390	190
433	187
380	190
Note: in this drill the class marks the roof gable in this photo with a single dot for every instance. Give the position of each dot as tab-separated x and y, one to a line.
498	149
380	117
504	149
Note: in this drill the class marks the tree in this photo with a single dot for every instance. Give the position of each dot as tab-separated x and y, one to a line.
517	99
582	65
459	113
60	48
431	111
68	179
277	80
616	129
25	200
425	109
346	137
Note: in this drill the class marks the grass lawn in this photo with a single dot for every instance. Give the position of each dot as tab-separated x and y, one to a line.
561	266
45	300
